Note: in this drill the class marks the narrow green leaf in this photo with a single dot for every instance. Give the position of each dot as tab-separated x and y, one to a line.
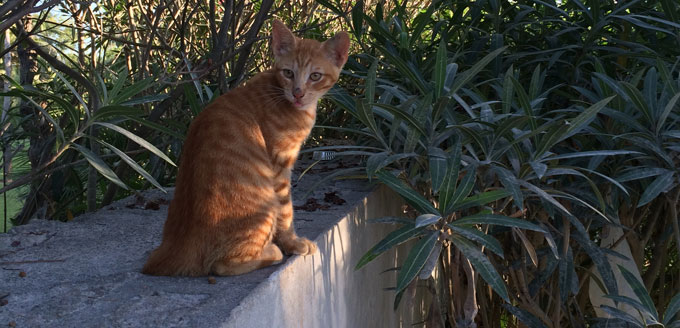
465	186
448	186
667	110
416	259
539	168
659	185
46	114
374	163
138	140
508	90
409	71
672	310
621	315
495	219
420	22
378	161
525	316
364	111
550	139
102	84
414	198
392	239
666	76
597	255
412	123
99	165
155	126
614	182
553	7
424	220
333	8
115	111
145	99
641	173
369	87
510	184
467	76
481	199
133	164
190	96
524	102
451	71
640	291
74	114
475	235
535	84
590	154
74	92
438	160
420	114
483	266
357	18
670	9
131	91
577	123
439	74
637	100
391	220
118	84
431	263
635	304
342	99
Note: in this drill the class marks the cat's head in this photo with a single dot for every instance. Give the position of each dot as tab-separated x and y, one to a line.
306	69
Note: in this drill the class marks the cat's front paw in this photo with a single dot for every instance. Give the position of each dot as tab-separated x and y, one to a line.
299	246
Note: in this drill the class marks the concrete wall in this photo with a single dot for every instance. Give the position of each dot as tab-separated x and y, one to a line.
86	273
324	290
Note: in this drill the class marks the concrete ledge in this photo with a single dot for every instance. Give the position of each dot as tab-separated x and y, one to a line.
86	273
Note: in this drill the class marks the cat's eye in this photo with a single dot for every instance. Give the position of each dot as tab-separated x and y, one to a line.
288	73
315	76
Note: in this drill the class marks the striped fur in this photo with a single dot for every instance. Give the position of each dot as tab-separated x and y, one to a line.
232	211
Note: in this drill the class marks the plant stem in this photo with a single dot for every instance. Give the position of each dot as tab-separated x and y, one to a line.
673	212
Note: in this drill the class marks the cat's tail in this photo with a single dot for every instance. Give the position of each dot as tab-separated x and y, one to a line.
165	261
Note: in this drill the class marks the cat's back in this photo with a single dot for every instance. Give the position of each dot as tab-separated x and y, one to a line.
233	118
245	101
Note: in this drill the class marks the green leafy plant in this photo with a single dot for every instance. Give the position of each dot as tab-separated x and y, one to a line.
73	124
514	113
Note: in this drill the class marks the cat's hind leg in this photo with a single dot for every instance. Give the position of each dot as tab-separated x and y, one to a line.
285	235
270	255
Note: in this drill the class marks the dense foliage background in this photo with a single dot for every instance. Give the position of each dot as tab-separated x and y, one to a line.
536	142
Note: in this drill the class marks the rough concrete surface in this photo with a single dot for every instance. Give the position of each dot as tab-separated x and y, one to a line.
86	273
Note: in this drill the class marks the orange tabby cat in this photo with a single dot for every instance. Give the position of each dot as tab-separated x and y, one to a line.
232	211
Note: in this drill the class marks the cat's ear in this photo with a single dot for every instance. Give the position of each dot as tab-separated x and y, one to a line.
337	48
283	40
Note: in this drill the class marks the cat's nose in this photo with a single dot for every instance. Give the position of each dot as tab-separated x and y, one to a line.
297	93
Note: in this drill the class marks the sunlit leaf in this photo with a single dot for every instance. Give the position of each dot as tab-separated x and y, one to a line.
99	165
133	164
148	146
